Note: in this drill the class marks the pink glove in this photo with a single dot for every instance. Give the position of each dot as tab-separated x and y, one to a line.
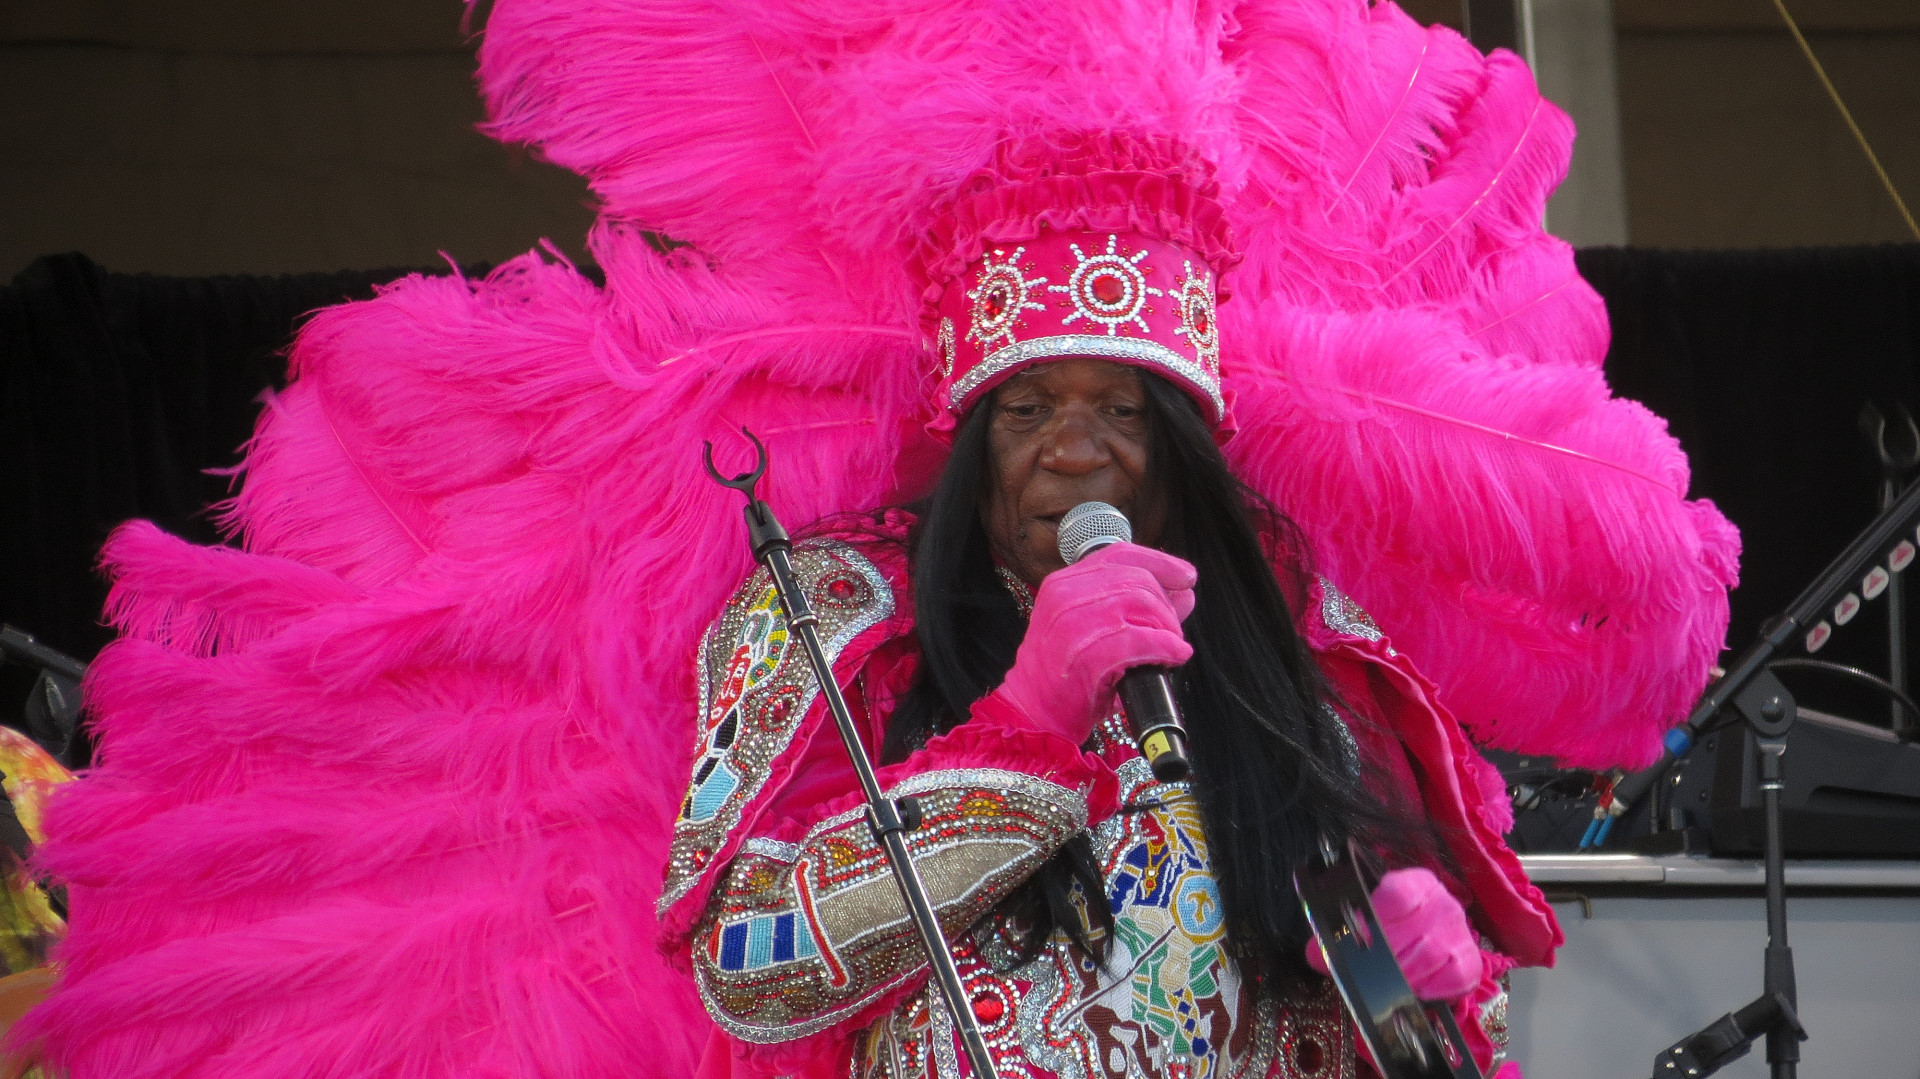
1427	929
1117	608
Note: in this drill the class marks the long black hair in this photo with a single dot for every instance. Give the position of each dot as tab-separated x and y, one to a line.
1273	771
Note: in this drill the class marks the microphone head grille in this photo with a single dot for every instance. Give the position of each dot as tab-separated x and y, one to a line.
1089	527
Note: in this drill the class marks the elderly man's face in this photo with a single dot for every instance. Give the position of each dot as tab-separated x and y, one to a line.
1063	433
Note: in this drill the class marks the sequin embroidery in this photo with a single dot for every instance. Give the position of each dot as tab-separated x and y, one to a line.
1343	615
1017	588
755	689
1107	288
789	947
1197	322
1169	1003
999	300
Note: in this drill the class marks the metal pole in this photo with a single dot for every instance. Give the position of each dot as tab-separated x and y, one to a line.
889	820
1783	1047
886	817
1500	24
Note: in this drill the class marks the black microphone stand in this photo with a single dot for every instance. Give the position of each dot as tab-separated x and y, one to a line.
1759	699
1766	706
890	820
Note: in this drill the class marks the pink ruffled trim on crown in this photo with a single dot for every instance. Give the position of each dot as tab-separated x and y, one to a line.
1103	182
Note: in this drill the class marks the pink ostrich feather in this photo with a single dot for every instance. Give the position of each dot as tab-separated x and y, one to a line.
810	146
1417	378
1517	531
386	793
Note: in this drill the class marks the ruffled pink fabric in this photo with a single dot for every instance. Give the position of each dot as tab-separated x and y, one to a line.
1507	907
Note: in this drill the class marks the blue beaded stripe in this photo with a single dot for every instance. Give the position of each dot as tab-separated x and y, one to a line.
763	941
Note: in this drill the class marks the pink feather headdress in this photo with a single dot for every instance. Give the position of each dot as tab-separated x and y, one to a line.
386	793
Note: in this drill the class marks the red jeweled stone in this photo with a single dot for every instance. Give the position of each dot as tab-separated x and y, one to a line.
1308	1055
1201	322
840	588
988	1009
1107	288
995	302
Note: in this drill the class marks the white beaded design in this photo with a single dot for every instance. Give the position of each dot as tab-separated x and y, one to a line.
1197	322
1082	286
1003	285
945	344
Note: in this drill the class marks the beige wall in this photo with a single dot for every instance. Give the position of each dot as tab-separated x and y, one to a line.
256	136
1731	142
1729	139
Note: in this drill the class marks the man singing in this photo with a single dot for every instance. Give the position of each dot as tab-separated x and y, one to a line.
1109	924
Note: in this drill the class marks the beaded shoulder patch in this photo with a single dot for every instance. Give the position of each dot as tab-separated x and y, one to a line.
755	688
1343	615
800	937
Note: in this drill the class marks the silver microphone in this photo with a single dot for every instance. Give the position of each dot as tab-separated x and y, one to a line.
1090	526
1145	692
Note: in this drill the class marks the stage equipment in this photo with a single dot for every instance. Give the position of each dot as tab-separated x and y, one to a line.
1898	457
1555	809
52	710
1853	791
1146	693
1768	710
1409	1038
890	819
1880	551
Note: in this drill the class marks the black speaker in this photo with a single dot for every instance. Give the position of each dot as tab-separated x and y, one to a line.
1852	790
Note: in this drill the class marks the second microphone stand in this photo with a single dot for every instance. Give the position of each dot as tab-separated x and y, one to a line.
1751	691
889	819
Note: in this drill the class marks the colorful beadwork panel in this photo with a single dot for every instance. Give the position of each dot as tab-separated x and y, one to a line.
1167	1001
797	939
756	687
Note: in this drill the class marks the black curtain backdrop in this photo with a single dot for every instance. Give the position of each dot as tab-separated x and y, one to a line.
118	392
1761	361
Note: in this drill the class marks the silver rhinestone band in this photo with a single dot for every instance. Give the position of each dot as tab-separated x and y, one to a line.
1097	346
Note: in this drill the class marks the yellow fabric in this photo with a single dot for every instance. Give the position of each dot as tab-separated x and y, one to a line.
28	924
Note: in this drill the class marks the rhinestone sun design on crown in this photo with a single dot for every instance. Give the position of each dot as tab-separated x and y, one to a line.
1115	296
